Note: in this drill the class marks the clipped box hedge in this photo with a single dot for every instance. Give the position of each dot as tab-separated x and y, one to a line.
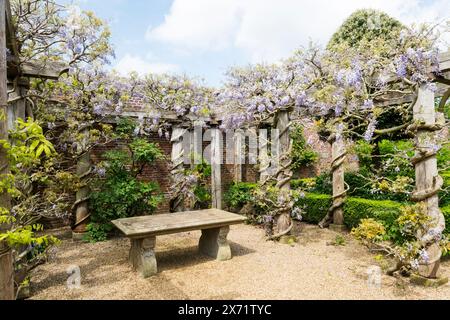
355	209
446	213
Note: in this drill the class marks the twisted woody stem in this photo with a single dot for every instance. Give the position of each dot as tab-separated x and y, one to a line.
338	197
80	206
422	159
283	208
177	170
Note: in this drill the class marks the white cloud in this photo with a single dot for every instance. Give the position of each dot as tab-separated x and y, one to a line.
199	24
272	29
131	63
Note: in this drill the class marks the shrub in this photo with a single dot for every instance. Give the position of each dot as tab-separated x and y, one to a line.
446	213
355	209
385	211
364	150
323	184
444	195
306	184
117	192
358	28
315	206
239	194
302	154
369	229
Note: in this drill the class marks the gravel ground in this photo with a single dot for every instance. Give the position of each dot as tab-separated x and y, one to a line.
310	269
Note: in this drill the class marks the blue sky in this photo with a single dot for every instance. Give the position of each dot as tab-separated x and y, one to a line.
203	38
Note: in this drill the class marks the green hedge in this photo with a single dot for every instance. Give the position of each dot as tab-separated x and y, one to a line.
355	209
444	196
315	206
446	213
382	210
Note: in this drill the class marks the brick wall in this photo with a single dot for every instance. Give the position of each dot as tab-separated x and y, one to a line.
160	171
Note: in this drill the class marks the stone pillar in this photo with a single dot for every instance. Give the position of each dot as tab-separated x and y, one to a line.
428	181
214	243
216	161
142	256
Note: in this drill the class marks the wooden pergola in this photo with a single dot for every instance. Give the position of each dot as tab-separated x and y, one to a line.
14	84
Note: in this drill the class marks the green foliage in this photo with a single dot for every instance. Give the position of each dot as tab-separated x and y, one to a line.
315	208
366	25
239	194
120	194
97	232
26	149
305	184
443	156
364	150
339	240
323	184
125	127
302	154
144	152
408	248
201	189
396	158
446	212
444	195
388	175
370	229
385	211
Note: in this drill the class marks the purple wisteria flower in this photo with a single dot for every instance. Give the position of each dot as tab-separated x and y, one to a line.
424	255
301	99
98	109
368	104
401	66
368	135
415	264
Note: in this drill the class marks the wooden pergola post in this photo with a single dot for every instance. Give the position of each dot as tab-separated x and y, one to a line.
335	216
81	206
263	156
6	257
284	172
216	165
177	170
239	154
428	181
338	153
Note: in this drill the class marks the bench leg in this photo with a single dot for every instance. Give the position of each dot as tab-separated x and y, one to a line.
214	243
142	256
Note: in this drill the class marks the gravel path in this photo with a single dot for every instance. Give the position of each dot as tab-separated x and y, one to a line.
310	269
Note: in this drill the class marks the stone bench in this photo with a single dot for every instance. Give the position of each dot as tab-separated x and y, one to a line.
142	231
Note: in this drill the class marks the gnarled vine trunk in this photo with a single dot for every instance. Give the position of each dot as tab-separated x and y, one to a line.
177	169
284	172
80	206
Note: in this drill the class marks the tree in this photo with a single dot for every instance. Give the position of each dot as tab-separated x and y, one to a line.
367	25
